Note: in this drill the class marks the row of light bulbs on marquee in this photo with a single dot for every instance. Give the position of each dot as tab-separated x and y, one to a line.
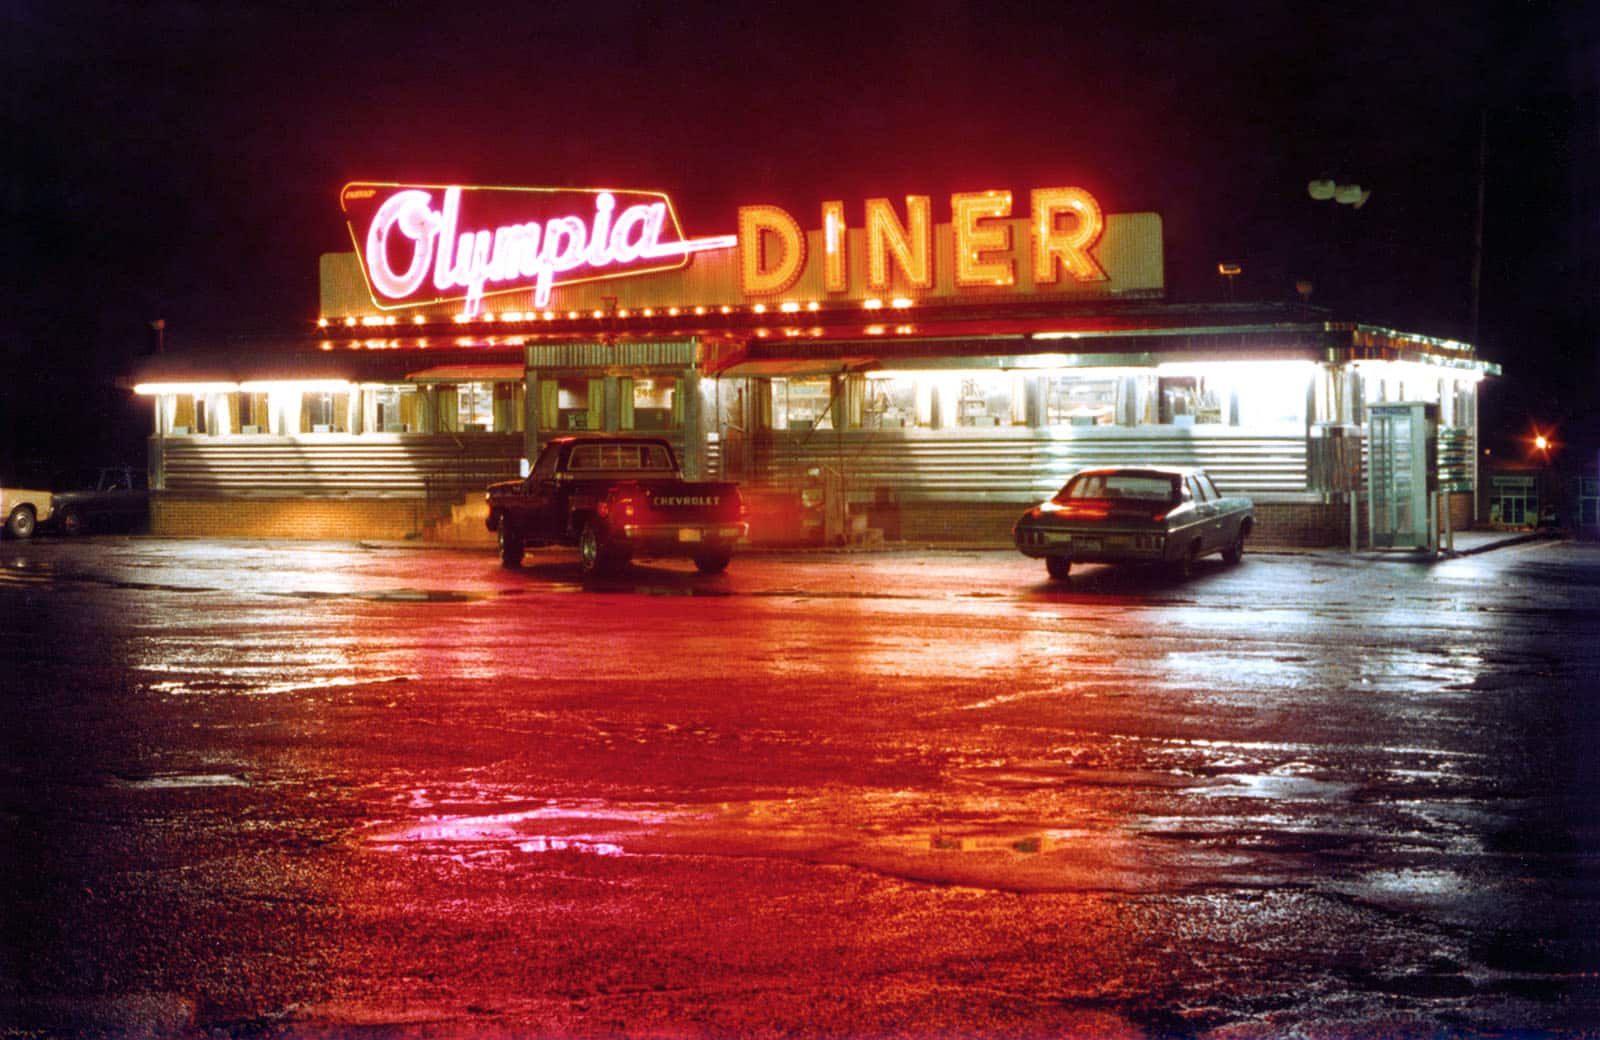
788	307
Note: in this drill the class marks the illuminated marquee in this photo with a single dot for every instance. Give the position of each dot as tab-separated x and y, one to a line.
432	243
1065	224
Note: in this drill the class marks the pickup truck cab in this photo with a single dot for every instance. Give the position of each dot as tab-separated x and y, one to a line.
614	497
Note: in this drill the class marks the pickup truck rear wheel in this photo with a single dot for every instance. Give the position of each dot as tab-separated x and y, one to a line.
21	522
713	561
510	546
595	554
1059	567
72	522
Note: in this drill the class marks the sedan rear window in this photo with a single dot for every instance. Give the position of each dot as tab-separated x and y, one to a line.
1144	486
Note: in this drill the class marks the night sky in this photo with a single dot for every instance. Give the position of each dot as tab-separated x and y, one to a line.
182	160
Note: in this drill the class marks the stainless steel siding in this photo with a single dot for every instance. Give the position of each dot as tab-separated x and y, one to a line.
661	354
1025	465
407	465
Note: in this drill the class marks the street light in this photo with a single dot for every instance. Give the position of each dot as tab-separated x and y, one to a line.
1229	271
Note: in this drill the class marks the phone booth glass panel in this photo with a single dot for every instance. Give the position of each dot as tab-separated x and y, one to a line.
1402	474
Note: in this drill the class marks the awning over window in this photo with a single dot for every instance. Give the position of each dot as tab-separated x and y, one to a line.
485	373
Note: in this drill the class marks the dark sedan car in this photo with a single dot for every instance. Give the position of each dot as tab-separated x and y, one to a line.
1144	514
114	498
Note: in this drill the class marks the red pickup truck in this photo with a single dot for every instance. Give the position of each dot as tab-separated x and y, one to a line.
616	496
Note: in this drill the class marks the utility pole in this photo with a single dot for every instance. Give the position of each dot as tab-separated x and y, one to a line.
1477	230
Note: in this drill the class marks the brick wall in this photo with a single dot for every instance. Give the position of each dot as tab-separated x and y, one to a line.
1307	524
237	517
1285	524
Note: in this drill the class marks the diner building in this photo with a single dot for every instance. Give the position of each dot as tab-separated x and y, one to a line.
912	369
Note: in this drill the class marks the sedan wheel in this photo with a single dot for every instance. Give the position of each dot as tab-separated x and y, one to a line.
1059	567
1183	566
1235	550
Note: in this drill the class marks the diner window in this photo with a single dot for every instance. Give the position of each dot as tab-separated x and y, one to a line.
252	412
508	398
1242	394
1189	401
573	404
803	403
651	403
182	415
394	409
986	399
1269	393
889	401
323	411
474	407
1081	400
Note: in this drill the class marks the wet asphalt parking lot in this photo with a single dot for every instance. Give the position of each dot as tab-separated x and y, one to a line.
280	789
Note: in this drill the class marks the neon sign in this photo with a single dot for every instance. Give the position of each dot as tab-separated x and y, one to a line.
431	243
1065	225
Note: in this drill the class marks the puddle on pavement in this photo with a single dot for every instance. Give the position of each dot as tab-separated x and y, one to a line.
167	781
817	831
243	686
581	827
18	570
406	595
1287	788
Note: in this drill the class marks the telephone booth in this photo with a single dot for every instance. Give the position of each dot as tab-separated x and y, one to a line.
1402	475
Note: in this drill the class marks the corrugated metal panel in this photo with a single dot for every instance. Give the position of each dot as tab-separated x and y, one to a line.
406	465
1458	456
1456	449
1025	467
344	287
713	461
664	354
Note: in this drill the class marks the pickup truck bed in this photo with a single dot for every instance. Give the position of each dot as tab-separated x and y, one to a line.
615	497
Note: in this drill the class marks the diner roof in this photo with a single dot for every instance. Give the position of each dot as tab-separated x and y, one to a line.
748	342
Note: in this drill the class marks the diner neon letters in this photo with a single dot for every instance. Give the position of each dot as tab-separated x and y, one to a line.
1064	226
409	244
